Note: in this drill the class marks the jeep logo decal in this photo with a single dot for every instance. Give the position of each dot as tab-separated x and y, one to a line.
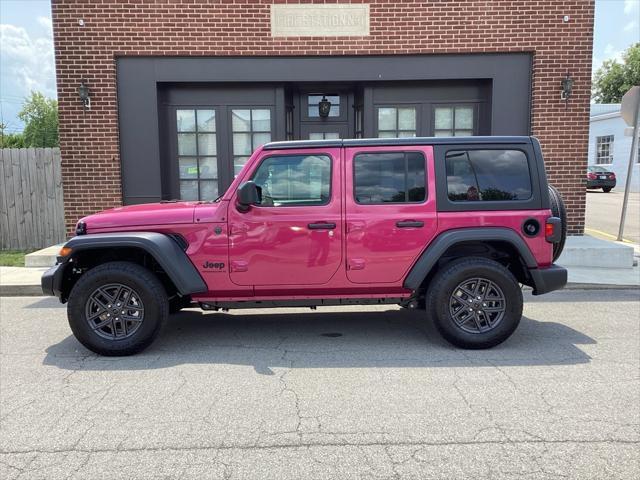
215	265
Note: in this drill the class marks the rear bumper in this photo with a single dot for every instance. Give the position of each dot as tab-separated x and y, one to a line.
600	183
51	281
548	279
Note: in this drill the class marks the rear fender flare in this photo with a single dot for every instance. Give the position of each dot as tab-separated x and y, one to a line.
165	250
429	258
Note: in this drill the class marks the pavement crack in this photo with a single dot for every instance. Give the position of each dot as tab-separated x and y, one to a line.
277	446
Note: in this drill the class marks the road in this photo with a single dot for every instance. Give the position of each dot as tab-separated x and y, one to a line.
335	393
603	215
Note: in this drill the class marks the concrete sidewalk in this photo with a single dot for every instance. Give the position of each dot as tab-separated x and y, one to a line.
22	281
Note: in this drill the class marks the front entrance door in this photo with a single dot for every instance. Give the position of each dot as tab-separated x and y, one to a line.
325	113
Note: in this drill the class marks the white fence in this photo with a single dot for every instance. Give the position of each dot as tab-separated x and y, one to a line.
31	207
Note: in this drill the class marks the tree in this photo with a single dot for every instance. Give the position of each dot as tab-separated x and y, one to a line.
10	140
40	116
613	80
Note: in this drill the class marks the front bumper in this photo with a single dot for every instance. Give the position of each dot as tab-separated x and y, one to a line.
548	279
51	281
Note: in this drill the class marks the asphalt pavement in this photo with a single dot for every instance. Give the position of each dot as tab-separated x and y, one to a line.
604	211
336	393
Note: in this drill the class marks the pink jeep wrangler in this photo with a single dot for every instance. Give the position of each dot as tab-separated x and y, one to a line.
451	226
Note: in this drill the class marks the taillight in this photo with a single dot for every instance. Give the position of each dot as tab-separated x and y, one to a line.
613	175
548	230
552	230
591	176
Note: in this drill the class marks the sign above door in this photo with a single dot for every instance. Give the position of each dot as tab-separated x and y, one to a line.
313	20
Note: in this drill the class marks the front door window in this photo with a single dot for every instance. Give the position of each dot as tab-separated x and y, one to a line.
197	154
294	180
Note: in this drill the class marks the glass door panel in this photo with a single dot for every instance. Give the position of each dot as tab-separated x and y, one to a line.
324	135
251	128
323	131
197	153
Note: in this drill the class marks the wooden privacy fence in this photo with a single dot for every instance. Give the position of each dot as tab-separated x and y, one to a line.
31	208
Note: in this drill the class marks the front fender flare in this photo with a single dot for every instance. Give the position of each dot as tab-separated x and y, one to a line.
166	251
447	239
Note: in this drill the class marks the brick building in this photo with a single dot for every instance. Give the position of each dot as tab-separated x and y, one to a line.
181	91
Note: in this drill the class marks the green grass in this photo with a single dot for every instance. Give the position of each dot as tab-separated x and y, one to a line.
12	258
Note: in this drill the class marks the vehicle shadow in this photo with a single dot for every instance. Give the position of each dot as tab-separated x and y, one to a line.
391	338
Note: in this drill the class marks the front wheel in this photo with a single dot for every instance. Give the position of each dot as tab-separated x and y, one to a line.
476	302
117	308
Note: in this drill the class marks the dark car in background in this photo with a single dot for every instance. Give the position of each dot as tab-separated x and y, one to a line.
600	177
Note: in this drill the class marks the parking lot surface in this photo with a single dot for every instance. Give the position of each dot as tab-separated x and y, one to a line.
335	393
603	214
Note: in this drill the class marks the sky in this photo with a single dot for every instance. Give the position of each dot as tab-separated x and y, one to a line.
27	59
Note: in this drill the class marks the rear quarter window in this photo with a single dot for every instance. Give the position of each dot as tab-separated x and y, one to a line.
487	175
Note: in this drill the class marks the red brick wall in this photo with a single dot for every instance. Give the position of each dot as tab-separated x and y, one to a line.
89	140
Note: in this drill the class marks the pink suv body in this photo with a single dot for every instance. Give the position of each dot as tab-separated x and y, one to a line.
334	222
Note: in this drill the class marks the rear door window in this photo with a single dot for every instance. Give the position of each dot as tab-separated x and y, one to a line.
389	177
487	175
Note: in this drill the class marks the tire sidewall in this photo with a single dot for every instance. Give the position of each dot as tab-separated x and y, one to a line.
458	272
558	209
132	276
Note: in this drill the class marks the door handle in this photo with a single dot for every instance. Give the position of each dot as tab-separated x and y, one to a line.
321	226
409	224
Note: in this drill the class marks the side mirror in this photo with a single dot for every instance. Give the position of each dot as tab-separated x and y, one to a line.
248	194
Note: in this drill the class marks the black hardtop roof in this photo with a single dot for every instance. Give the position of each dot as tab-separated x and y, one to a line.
380	142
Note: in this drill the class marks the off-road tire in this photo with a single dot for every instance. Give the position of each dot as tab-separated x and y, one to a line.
606	189
559	210
447	280
133	276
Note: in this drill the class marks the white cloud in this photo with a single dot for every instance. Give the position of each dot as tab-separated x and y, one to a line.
630	6
630	26
45	22
609	53
27	63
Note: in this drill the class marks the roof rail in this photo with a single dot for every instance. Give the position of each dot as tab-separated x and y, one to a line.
364	142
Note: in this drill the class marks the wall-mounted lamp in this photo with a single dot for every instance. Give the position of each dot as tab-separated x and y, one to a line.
85	95
567	87
324	107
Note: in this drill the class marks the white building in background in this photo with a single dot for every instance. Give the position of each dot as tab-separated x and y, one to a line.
609	147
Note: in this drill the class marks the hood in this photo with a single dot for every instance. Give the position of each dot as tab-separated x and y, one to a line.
163	213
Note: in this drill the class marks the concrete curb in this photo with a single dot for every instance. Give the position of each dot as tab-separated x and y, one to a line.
588	286
21	291
599	286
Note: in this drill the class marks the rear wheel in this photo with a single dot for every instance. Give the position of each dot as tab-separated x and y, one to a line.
117	308
558	210
476	302
606	189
